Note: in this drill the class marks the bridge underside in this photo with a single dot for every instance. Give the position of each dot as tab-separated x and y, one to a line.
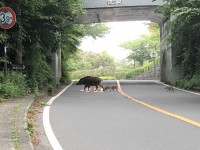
115	14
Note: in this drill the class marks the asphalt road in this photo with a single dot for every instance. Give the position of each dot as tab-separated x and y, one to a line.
110	121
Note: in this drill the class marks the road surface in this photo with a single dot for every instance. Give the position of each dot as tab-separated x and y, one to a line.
145	117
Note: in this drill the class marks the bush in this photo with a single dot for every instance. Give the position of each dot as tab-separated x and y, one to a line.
135	72
189	83
121	74
108	78
14	85
106	71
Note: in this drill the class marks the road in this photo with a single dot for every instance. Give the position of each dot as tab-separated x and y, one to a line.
111	121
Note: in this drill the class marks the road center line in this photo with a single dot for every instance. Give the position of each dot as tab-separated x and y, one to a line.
158	109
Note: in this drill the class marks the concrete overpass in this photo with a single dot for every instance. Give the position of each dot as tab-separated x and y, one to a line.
120	10
134	10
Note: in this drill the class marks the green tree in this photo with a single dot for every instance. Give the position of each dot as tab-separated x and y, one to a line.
185	31
36	35
142	46
103	59
90	60
96	30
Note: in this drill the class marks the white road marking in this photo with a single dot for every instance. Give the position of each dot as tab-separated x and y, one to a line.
46	123
195	123
195	93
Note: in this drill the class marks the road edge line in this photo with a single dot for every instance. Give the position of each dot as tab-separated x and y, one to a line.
191	92
46	122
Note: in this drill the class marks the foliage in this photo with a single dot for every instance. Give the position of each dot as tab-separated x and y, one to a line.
14	85
142	46
90	60
108	78
114	73
96	30
106	71
135	72
36	37
189	83
72	58
185	31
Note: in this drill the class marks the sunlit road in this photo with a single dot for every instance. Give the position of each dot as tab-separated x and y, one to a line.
110	121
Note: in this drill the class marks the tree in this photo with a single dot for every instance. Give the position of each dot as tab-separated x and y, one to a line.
90	60
185	31
96	30
142	46
36	35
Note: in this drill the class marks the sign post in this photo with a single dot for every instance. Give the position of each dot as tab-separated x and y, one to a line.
7	21
153	55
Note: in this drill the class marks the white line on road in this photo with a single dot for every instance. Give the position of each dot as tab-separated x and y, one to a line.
46	123
195	123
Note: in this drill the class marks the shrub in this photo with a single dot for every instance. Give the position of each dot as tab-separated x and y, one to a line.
14	85
135	72
189	83
108	78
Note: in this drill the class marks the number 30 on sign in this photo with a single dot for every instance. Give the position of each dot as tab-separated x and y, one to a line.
7	17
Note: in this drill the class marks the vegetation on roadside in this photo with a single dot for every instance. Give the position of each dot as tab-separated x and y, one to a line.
13	86
43	28
144	45
185	31
31	123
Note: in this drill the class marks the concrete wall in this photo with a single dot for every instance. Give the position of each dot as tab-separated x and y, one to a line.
170	70
165	53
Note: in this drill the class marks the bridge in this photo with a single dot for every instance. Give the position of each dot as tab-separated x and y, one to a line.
120	10
135	10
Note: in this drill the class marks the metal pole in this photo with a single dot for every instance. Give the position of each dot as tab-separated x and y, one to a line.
5	57
154	68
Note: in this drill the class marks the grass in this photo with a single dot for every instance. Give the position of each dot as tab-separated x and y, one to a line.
31	122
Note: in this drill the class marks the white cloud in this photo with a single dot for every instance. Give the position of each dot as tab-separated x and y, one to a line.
120	32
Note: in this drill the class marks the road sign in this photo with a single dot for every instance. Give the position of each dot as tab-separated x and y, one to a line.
18	67
7	17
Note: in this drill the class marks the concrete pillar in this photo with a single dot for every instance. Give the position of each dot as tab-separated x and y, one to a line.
56	65
170	70
165	53
59	65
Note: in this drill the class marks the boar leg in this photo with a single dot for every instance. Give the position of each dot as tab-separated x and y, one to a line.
101	85
96	88
85	87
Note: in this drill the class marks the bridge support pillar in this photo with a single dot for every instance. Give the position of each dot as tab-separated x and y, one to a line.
57	65
169	69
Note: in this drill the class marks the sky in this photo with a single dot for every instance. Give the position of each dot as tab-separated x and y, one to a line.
120	32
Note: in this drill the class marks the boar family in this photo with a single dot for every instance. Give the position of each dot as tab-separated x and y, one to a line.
90	81
110	87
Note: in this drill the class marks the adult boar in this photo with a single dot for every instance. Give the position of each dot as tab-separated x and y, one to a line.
90	81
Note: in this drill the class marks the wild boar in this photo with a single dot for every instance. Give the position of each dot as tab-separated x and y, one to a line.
111	87
90	81
106	88
169	88
114	87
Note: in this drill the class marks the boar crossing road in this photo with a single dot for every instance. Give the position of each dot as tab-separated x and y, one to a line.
90	81
110	121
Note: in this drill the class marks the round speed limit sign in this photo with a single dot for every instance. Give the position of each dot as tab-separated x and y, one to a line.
7	17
